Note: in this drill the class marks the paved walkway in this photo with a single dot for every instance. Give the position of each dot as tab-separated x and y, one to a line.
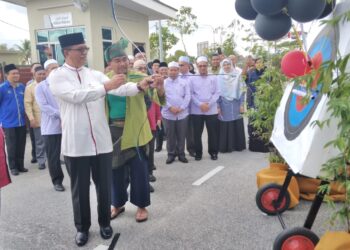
220	213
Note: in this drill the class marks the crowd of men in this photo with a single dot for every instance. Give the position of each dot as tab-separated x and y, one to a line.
108	125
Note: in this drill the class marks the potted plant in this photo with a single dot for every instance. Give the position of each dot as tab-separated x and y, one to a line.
269	91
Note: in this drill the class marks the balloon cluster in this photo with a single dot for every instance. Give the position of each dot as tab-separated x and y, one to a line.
273	18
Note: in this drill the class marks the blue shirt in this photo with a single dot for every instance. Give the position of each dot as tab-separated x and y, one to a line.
252	77
50	114
12	105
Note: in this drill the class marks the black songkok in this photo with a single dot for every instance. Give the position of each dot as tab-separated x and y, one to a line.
163	64
71	39
9	67
138	49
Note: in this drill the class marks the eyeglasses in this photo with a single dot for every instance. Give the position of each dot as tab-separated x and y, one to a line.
82	50
181	65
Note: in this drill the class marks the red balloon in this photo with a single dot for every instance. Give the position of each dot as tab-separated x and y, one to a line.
295	63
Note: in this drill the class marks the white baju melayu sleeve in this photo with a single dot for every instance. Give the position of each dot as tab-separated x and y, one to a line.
81	97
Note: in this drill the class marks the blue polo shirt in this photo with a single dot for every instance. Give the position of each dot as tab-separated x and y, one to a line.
11	105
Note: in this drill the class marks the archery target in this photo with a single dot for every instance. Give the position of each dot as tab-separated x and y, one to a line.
298	114
299	142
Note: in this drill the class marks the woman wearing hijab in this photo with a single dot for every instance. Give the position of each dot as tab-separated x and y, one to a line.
231	101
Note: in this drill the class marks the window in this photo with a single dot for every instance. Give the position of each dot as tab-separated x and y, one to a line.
106	34
47	42
106	41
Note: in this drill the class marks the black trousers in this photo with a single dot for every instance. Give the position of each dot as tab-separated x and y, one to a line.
212	124
151	153
79	169
160	136
135	172
15	143
53	152
190	136
32	139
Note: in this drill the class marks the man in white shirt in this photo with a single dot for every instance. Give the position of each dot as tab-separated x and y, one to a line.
86	139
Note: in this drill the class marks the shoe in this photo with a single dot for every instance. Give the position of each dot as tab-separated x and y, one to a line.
170	159
81	238
116	211
14	171
141	215
152	178
23	170
198	158
106	232
42	166
158	149
33	161
214	157
151	188
192	154
59	187
154	167
183	159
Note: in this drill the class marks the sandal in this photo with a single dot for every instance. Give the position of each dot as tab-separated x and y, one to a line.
141	215
116	211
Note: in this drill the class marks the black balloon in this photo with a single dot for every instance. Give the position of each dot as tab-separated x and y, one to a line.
272	27
328	9
268	7
305	10
245	10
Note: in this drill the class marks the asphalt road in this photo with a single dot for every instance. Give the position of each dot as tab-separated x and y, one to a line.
218	214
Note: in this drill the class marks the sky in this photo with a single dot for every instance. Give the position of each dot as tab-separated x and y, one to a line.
209	15
17	16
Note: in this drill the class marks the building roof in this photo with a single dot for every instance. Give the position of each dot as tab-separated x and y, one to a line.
154	9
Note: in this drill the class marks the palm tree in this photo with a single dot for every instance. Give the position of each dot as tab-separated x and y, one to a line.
25	51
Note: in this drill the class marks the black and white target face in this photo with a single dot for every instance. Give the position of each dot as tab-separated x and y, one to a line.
297	113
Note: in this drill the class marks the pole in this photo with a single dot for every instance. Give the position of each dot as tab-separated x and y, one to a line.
161	53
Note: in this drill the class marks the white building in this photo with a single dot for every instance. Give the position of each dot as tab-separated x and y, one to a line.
49	19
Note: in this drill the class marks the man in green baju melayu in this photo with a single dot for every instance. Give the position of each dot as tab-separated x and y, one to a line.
131	133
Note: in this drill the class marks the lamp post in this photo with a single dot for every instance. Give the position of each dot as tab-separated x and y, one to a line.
161	53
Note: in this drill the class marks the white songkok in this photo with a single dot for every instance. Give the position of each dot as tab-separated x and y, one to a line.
185	59
202	59
48	62
173	64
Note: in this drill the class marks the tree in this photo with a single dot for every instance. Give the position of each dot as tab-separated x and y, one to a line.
3	47
229	45
168	40
25	51
184	23
176	56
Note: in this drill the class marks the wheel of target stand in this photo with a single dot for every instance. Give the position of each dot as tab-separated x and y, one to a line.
297	238
266	196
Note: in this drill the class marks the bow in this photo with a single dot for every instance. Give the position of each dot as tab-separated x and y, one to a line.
114	13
